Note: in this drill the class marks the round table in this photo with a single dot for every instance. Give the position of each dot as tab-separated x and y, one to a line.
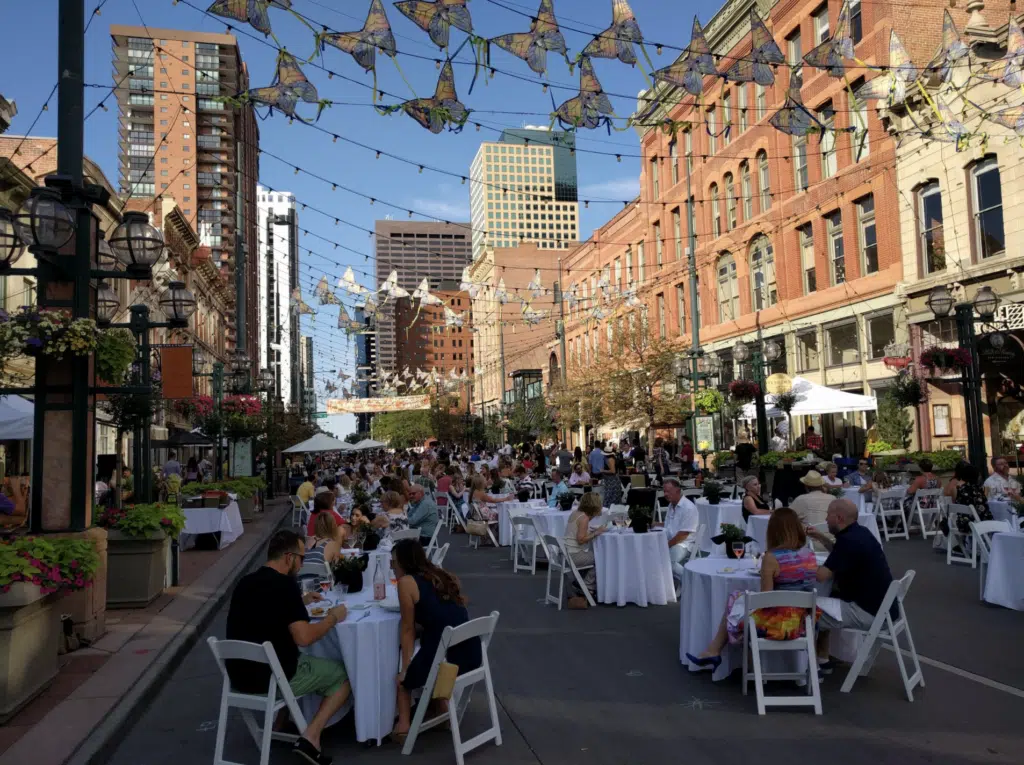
757	528
1004	582
505	512
210	520
713	516
853	494
367	643
633	568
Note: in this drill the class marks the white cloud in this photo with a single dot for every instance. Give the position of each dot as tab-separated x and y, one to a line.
443	209
618	189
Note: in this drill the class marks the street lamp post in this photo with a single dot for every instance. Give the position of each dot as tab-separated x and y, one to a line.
268	384
692	368
217	379
761	356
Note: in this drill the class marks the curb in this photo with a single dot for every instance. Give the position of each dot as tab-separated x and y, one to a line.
99	745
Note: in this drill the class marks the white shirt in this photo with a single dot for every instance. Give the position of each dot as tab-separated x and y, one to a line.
996	485
833	482
681	517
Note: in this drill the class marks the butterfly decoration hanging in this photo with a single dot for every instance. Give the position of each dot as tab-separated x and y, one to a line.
794	118
630	298
689	71
368	305
342	375
290	86
891	85
423	296
444	109
764	54
951	128
571	298
617	40
500	293
390	287
591	108
598	313
1012	117
1012	65
298	305
364	43
452	319
532	316
348	324
467	284
323	292
948	58
348	283
536	287
436	17
533	46
832	52
255	13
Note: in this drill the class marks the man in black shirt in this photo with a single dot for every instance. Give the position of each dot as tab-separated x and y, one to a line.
268	605
639	455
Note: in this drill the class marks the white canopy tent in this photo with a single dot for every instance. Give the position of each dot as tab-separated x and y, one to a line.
16	416
815	399
369	443
321	442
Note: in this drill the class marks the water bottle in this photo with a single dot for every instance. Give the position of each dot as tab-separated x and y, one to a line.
379	582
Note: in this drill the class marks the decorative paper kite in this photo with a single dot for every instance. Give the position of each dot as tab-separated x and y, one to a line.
891	86
436	17
437	112
536	287
290	86
829	56
950	54
617	40
533	46
391	289
688	72
363	44
298	305
590	109
348	283
764	54
794	118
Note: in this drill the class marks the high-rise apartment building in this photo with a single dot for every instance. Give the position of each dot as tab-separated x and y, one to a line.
415	249
524	190
178	139
365	383
277	274
306	375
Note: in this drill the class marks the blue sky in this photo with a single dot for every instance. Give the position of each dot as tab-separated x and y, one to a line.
29	60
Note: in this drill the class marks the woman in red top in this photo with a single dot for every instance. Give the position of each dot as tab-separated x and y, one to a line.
324	502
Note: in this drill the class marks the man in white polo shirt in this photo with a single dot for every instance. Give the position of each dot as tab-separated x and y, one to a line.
680	525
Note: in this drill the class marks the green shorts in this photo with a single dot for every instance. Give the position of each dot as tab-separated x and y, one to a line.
323	677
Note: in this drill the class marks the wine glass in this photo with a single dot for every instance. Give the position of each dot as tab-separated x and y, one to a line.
738	548
325	585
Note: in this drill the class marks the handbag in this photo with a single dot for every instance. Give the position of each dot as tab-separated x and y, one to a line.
476	528
444	683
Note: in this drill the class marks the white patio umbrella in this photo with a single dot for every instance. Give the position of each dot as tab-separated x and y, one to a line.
16	416
814	399
369	443
321	442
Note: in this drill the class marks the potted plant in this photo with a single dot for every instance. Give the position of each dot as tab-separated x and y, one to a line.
115	352
138	537
940	360
907	390
709	401
713	492
566	501
731	533
836	491
245	491
640	517
34	572
348	570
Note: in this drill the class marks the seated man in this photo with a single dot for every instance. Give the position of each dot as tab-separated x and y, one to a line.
1001	485
422	513
680	525
306	491
579	477
858	570
558	489
268	605
812	507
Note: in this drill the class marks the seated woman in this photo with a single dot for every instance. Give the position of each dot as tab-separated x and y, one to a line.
326	541
479	501
457	491
752	502
392	517
324	503
787	565
429	598
830	475
963	489
927	480
578	539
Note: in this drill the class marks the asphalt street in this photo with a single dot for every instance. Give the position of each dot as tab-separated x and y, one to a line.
605	686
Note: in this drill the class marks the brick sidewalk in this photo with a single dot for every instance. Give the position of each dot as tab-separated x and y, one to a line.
93	680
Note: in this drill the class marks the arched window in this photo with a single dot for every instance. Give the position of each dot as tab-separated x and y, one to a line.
716	212
728	289
762	273
730	202
746	191
554	373
764	180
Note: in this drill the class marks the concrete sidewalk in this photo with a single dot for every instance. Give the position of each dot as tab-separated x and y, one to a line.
101	689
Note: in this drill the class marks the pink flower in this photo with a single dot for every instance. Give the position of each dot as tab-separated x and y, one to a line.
79	582
35	562
165	521
73	564
6	588
36	580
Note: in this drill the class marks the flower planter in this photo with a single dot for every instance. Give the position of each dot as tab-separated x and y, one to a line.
29	637
247	509
136	568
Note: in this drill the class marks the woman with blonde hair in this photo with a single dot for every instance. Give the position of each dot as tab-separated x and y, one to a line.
392	517
326	541
578	540
479	499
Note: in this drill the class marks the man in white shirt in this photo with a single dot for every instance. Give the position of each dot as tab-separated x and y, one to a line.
680	525
1001	485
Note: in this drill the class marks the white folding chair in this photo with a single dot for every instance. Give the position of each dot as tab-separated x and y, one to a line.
279	694
982	532
432	545
299	514
804	645
926	503
525	541
886	630
438	556
442	509
317	570
559	562
397	536
958	539
482	628
692	494
889	505
700	538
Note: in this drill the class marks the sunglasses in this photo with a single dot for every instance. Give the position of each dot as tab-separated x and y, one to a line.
300	556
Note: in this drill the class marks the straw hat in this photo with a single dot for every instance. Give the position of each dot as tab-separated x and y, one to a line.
813	478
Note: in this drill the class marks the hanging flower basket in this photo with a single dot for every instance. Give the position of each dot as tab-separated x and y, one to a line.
743	390
939	359
32	332
194	409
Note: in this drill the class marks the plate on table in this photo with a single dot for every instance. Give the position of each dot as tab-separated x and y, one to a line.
317	610
389	604
358	606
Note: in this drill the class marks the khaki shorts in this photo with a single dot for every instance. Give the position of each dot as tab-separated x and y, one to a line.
320	676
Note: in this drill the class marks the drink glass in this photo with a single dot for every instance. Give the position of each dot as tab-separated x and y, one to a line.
325	585
738	548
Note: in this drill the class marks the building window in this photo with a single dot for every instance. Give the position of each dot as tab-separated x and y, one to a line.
629	267
730	202
868	241
859	122
764	180
800	161
659	249
806	234
842	344
677	233
712	132
836	255
939	331
856	22
881	332
760	101
688	150
726	119
762	273
673	158
930	231
618	273
807	351
793	48
746	191
988	209
640	262
728	290
681	308
827	117
661	315
820	17
940	418
655	180
741	104
716	212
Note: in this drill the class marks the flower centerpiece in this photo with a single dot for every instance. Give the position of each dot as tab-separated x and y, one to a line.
743	390
731	533
939	359
640	517
836	491
713	492
348	570
53	565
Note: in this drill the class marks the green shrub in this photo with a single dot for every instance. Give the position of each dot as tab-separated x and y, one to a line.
141	520
944	460
773	459
53	564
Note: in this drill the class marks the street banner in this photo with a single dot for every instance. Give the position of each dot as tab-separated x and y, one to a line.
176	371
377	405
705	433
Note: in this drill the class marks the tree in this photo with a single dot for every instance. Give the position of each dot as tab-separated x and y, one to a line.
577	402
353	438
528	420
402	430
894	425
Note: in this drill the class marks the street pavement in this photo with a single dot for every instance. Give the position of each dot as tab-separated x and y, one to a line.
605	686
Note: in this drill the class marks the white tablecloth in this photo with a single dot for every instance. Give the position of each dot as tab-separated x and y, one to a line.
505	512
854	495
367	642
209	520
713	516
757	528
1002	511
633	568
1004	582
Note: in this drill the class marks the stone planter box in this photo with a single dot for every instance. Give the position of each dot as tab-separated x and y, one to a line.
136	568
247	509
29	637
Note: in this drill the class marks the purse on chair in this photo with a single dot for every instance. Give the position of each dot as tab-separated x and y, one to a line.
444	683
476	528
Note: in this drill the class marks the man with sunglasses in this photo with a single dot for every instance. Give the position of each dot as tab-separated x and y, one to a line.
861	479
269	605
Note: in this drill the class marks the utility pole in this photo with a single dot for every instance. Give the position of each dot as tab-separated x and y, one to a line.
501	345
691	260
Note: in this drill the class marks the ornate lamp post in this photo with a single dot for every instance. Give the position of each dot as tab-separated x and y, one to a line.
761	357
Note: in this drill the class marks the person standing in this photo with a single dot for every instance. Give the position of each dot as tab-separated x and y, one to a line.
172	466
596	459
639	455
563	460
